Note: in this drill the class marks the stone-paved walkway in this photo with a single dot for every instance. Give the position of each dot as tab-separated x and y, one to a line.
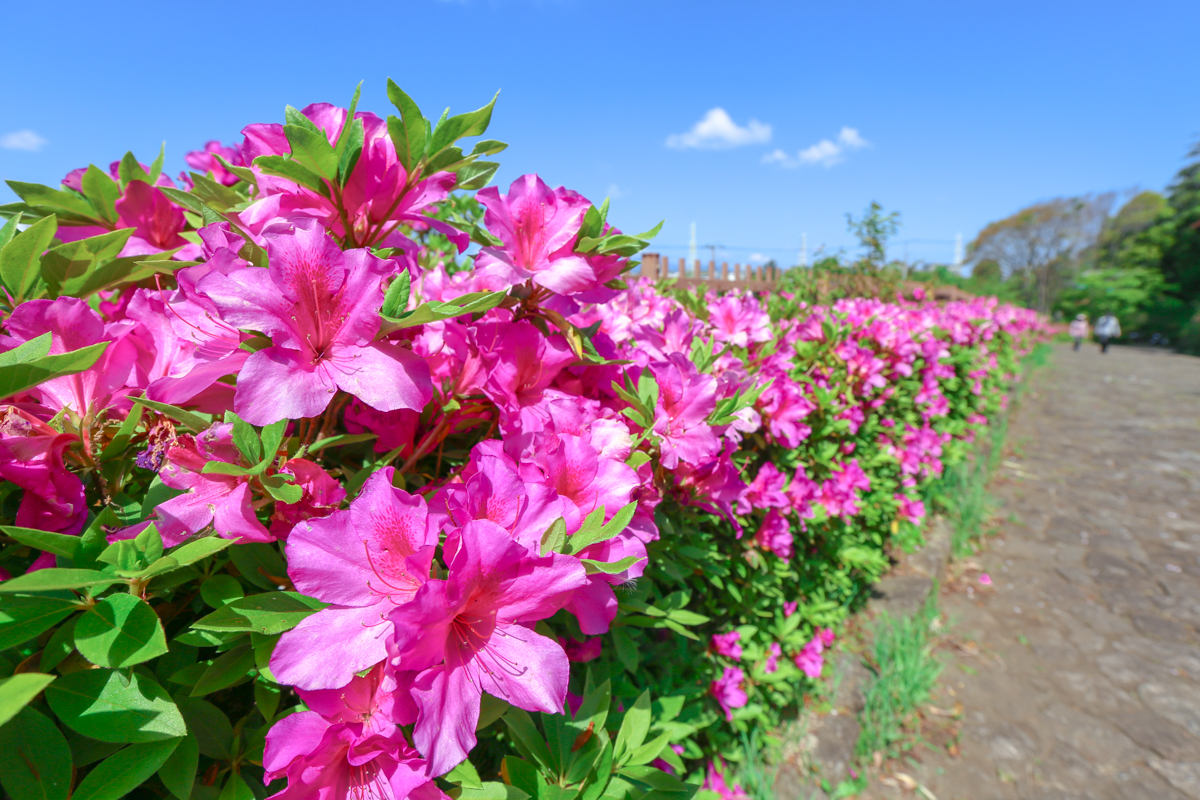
1078	670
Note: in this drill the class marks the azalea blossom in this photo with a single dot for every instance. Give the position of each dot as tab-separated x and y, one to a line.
472	633
729	691
321	307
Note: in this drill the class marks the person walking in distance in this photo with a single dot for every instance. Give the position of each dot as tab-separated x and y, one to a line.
1078	329
1107	328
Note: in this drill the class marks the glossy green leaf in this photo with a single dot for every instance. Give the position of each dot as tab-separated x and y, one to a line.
115	706
267	613
220	590
50	200
21	258
125	770
311	149
225	670
74	260
633	728
473	303
35	760
409	131
19	377
594	567
178	772
120	631
23	617
45	580
209	725
293	171
102	192
195	422
395	302
58	543
17	691
193	551
473	123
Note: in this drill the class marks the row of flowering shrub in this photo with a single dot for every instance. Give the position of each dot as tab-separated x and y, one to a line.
300	501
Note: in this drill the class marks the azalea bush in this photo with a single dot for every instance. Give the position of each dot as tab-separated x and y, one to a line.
328	472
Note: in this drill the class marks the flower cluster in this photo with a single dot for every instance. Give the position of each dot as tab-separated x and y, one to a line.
444	485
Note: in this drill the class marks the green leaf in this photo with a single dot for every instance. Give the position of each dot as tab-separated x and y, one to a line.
493	790
554	537
23	617
409	132
220	590
634	728
588	535
194	422
340	145
272	438
46	580
21	258
465	775
528	739
36	348
267	613
245	438
129	170
60	645
311	149
473	303
655	779
102	192
125	770
349	155
226	670
488	147
35	759
54	200
242	172
178	772
473	123
395	302
193	551
115	706
58	543
209	725
475	175
19	377
284	167
236	788
267	696
120	631
9	229
341	440
259	563
223	468
17	691
280	487
593	567
156	167
75	260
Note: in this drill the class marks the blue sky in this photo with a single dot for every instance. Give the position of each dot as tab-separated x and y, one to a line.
955	114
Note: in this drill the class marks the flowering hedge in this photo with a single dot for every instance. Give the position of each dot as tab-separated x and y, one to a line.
304	502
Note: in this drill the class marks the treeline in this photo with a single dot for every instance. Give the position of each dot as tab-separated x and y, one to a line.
1139	260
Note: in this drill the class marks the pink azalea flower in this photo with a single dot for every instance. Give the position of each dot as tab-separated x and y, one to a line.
156	221
395	429
726	644
809	659
775	534
74	325
223	501
714	781
31	457
320	306
685	400
365	561
773	654
765	491
658	763
473	633
322	495
585	651
376	199
347	747
909	509
538	227
739	320
729	692
204	161
520	364
789	608
985	579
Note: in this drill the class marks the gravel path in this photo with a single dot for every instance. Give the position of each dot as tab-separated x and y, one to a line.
1078	669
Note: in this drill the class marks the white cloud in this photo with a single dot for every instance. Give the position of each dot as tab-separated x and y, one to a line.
826	152
22	140
614	191
757	257
718	130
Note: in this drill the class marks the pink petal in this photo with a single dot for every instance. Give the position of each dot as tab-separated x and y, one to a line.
325	650
448	703
276	384
385	376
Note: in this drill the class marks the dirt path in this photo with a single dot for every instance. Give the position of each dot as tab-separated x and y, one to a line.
1079	670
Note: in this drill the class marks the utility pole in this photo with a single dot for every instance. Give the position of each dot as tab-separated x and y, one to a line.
712	250
958	251
804	249
692	246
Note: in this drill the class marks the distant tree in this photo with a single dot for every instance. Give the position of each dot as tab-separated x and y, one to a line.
1041	245
987	271
1181	255
873	230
